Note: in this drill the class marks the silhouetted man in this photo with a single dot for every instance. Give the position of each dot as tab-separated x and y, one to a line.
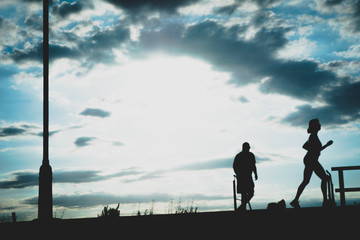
244	166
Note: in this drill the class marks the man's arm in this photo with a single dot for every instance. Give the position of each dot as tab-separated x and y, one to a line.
235	166
254	169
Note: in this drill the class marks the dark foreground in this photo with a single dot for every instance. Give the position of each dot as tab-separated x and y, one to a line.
307	223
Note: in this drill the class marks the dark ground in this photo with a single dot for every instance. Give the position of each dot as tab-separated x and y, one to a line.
306	223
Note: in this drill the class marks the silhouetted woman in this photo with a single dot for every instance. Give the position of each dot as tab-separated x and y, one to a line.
311	161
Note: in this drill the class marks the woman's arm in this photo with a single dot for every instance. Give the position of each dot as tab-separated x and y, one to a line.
327	144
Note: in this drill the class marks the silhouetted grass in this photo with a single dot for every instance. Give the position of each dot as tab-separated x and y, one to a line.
178	209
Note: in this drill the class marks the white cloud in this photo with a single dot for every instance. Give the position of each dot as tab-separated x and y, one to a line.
298	49
204	7
352	52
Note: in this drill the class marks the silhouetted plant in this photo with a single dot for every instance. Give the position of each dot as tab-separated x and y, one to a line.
5	218
147	211
188	209
110	212
62	214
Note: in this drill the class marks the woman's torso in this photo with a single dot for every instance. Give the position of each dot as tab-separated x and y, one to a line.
314	149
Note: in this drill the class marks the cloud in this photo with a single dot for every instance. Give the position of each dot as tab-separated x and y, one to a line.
352	52
228	9
349	12
84	141
197	166
342	107
211	164
254	61
13	36
65	9
13	130
301	79
222	163
243	99
99	198
24	179
97	48
138	8
226	47
215	164
27	129
35	53
146	176
95	112
21	180
51	133
77	176
249	61
246	60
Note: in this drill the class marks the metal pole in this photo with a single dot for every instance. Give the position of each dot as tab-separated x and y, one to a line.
341	186
46	82
234	193
45	176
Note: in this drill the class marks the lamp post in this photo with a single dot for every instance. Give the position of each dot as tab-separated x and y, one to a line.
45	202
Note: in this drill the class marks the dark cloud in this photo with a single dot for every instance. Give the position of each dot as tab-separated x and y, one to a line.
34	22
26	179
65	9
263	3
98	48
11	131
230	9
33	1
18	130
332	3
349	10
28	130
83	141
95	112
342	107
95	49
355	16
300	79
227	10
21	180
138	8
35	53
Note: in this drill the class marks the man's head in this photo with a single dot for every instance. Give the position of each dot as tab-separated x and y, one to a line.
246	147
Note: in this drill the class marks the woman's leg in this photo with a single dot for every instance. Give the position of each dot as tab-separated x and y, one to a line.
320	172
307	175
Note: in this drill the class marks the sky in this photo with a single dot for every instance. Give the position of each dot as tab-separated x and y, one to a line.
150	101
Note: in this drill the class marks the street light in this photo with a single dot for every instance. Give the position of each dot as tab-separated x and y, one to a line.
45	200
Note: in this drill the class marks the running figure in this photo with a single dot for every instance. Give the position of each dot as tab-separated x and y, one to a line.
311	161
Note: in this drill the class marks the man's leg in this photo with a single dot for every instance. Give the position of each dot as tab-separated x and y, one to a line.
243	201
